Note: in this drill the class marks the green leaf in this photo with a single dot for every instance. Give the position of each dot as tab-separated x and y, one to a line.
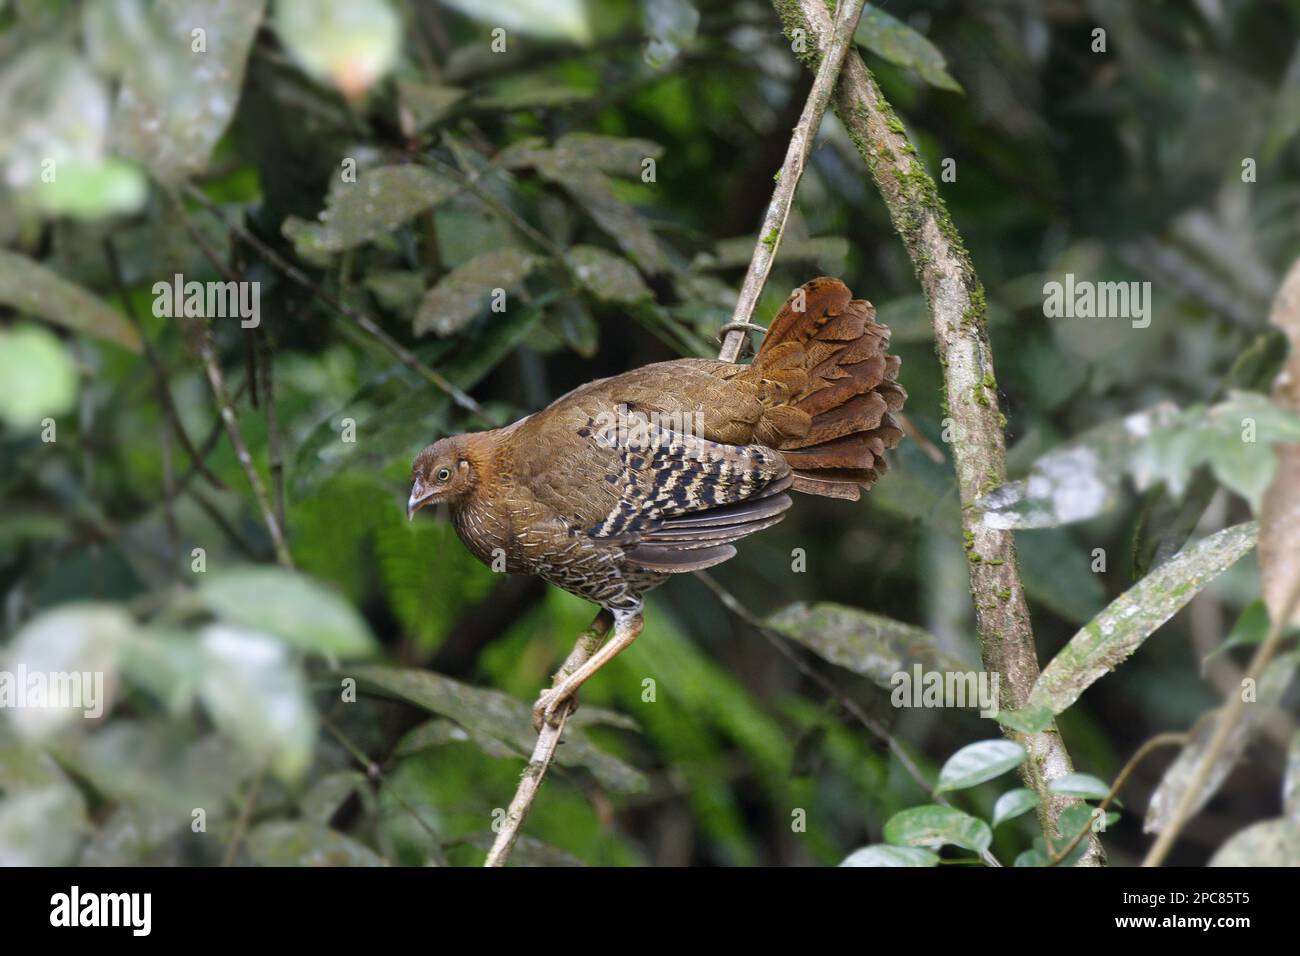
491	713
358	212
331	791
256	696
1135	615
556	19
933	825
1082	785
32	289
1012	804
978	762
351	44
868	644
175	101
466	291
290	606
608	277
881	854
895	41
579	163
84	640
40	379
303	843
1032	857
1271	843
42	827
1026	721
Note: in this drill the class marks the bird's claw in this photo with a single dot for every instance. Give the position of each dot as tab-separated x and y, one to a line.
551	703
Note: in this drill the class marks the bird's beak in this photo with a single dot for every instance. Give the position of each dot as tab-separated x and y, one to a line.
418	499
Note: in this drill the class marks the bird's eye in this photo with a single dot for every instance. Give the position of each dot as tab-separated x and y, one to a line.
443	474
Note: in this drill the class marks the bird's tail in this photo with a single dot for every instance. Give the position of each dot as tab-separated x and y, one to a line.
828	389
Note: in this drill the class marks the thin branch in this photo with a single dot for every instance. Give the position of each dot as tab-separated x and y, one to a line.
547	742
1224	729
796	157
956	300
208	352
274	454
363	321
1152	745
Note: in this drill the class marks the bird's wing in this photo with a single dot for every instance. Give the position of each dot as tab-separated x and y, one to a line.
681	499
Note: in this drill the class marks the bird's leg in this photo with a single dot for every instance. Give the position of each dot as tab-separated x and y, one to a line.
627	625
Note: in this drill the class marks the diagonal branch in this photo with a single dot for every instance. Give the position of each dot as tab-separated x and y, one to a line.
956	300
787	180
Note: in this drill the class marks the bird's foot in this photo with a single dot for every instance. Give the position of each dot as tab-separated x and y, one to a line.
551	703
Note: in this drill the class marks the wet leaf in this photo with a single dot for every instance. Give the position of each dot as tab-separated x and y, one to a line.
933	825
491	713
579	162
358	212
1271	843
32	289
1012	804
467	290
1272	685
1135	615
869	644
290	606
895	41
1082	785
181	67
1075	482
881	854
608	277
975	763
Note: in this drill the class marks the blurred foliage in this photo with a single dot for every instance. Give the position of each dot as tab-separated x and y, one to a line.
389	173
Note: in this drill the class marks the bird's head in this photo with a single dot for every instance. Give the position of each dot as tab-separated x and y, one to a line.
444	473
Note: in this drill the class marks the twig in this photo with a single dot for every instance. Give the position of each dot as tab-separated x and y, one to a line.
956	300
733	604
1155	743
547	742
208	352
367	324
796	156
275	459
1223	731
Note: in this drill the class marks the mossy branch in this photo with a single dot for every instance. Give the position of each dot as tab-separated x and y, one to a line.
956	300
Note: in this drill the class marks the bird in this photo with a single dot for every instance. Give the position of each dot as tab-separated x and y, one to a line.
625	481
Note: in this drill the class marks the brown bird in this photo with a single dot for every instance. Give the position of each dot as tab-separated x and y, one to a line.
658	471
